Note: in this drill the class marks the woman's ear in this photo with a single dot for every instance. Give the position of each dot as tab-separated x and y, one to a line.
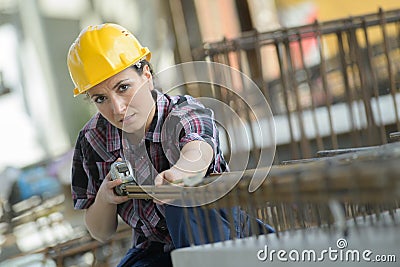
147	72
149	77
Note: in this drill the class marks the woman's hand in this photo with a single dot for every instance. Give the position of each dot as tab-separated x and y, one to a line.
171	176
190	168
101	216
106	191
193	162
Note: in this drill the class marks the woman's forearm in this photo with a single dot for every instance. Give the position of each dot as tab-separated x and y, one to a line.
195	158
101	220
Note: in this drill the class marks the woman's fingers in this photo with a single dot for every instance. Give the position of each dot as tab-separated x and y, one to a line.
171	176
159	180
109	186
112	184
120	199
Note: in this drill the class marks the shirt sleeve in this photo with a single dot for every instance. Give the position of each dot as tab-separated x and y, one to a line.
83	186
195	122
198	124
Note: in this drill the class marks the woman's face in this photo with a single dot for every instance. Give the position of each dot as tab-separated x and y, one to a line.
125	99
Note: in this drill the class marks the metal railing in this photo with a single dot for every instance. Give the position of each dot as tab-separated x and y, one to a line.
330	85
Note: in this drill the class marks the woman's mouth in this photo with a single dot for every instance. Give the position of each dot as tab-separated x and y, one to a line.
128	118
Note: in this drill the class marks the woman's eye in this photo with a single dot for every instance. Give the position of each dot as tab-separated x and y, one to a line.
99	99
123	87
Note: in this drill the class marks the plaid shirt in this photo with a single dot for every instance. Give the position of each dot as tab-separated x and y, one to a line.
99	144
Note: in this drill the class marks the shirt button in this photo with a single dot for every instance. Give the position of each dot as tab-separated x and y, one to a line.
163	228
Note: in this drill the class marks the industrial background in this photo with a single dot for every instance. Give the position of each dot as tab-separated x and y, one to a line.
330	71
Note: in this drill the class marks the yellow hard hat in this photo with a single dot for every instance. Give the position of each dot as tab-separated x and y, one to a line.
100	52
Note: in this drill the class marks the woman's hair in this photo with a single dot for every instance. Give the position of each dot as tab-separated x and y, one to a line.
140	65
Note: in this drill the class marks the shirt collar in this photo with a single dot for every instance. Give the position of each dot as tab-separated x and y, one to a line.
162	103
112	135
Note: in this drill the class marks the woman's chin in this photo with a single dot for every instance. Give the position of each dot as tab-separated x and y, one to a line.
133	129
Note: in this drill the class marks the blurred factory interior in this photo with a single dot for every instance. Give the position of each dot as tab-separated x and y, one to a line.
330	71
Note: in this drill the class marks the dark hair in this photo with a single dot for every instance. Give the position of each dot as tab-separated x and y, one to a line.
140	65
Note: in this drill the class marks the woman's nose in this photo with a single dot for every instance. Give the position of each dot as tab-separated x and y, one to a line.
119	105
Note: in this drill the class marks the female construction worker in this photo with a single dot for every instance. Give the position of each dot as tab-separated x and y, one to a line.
108	64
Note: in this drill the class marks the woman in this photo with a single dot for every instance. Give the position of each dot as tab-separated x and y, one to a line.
108	64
